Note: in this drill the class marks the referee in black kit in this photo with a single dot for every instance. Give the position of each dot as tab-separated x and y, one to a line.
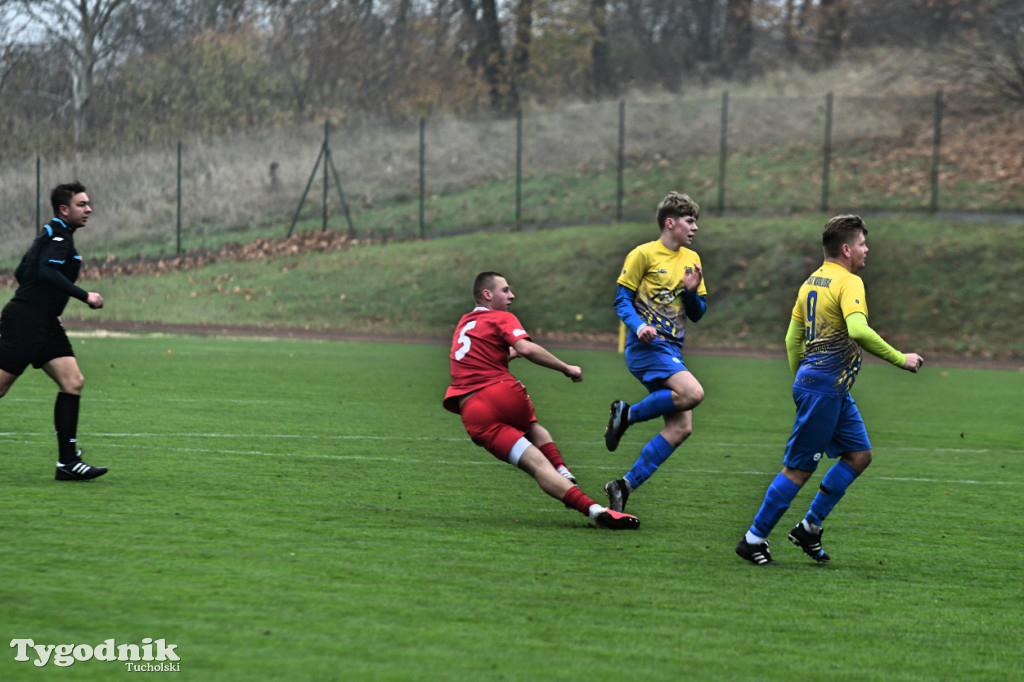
30	327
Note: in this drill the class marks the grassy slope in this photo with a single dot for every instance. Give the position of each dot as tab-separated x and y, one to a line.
935	286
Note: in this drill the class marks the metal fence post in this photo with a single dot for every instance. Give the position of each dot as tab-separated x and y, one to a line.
178	222
723	152
39	190
309	184
826	164
621	160
933	205
519	170
423	179
327	151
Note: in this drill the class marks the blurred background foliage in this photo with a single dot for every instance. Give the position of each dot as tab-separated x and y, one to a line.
116	74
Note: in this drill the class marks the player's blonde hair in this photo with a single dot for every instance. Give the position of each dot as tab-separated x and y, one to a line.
676	205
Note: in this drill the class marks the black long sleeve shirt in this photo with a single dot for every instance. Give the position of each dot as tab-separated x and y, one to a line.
48	271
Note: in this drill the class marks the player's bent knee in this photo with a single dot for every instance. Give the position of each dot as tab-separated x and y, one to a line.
859	461
6	381
689	399
675	434
681	435
74	385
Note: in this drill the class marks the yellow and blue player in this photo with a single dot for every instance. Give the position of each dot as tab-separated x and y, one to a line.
661	287
828	329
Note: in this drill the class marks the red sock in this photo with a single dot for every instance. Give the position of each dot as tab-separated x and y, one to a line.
550	451
578	500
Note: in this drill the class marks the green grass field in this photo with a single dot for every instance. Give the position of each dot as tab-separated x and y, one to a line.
308	511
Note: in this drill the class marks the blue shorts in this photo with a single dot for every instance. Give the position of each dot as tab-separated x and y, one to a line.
653	362
825	425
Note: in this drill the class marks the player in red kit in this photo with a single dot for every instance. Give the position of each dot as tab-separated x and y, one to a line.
495	408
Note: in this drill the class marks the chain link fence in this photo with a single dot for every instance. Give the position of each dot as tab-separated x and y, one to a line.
588	163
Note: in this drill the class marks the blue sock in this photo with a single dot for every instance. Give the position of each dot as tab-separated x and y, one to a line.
657	404
833	487
654	453
776	501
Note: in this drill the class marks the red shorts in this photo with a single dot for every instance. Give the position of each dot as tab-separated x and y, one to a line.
497	416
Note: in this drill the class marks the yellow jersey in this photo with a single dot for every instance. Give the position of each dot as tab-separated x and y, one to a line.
656	275
831	358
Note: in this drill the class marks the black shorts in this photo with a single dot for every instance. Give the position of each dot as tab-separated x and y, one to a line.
28	338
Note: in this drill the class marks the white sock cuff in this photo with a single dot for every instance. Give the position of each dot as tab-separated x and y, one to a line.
754	539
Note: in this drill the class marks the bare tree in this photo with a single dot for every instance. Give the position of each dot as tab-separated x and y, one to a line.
521	48
600	51
487	53
792	27
993	53
830	29
156	21
83	32
739	33
7	51
662	42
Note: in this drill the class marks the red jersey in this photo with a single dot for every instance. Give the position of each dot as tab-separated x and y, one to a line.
479	355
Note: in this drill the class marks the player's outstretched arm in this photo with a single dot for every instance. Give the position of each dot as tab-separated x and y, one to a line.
539	355
869	340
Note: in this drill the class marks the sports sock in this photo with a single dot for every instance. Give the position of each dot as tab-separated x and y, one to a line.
651	457
657	404
753	539
550	450
65	421
575	498
833	487
776	501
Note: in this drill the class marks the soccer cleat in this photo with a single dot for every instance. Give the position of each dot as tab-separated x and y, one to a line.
755	554
809	542
614	520
618	422
618	493
77	470
568	474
